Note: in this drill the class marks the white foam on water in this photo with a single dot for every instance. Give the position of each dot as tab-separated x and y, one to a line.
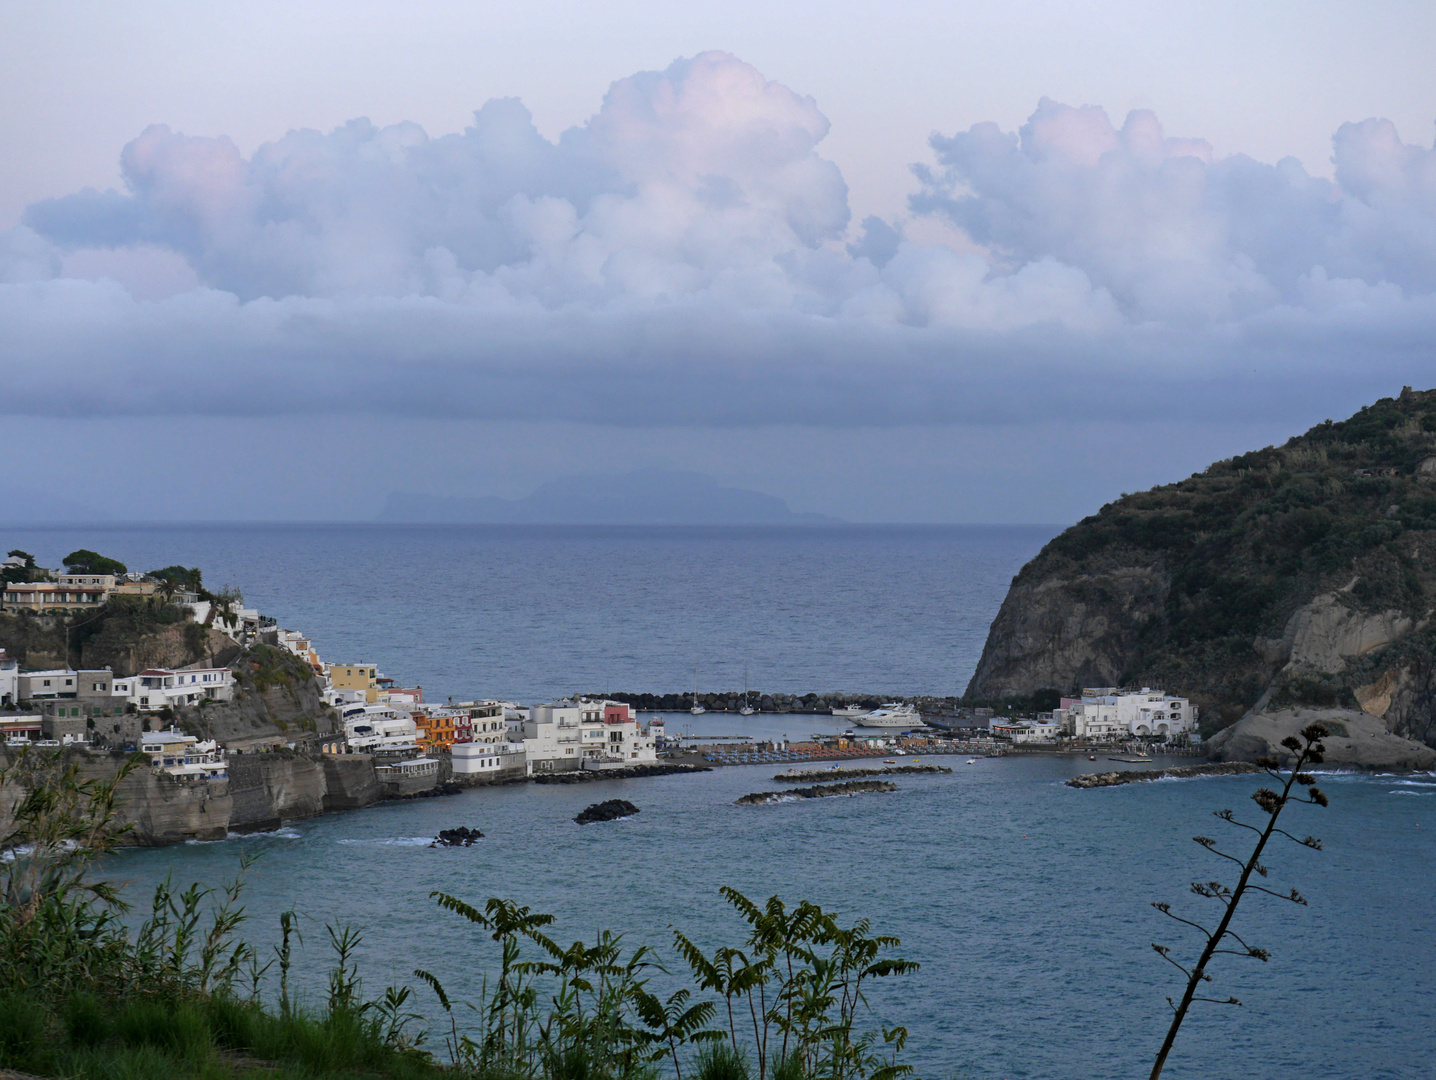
393	841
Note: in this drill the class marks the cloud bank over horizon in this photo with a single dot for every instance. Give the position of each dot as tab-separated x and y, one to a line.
687	256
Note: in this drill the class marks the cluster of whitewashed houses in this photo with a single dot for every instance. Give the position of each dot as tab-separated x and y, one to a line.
391	723
1107	714
497	738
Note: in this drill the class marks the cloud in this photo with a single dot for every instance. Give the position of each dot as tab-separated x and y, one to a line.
1175	235
687	256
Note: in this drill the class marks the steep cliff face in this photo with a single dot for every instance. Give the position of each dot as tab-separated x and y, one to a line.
1298	576
276	697
263	792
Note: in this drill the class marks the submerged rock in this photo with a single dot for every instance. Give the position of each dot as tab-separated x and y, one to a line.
460	837
611	810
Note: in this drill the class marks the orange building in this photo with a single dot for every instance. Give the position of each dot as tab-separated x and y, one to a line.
442	729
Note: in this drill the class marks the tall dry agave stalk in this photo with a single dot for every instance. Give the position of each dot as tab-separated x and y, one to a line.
1223	940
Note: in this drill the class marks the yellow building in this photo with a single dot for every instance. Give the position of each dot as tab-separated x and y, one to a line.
356	677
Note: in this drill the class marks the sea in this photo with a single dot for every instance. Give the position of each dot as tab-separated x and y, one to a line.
1026	902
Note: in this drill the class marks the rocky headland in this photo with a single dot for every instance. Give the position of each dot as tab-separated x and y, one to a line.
1291	582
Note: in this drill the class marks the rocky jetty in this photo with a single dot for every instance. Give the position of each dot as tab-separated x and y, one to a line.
807	776
818	791
1294	577
460	837
1136	776
631	772
611	810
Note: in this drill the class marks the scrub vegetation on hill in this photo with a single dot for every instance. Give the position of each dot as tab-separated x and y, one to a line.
1298	574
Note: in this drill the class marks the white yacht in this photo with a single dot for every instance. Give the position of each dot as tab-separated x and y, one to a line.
850	710
892	715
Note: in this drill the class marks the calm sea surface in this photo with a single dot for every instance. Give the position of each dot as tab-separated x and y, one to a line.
1026	902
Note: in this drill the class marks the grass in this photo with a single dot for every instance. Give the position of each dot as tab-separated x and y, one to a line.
217	1038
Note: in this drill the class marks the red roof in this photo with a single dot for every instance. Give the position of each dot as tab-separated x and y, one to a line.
156	671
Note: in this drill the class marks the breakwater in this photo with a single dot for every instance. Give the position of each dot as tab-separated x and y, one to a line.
630	772
810	775
818	791
1136	776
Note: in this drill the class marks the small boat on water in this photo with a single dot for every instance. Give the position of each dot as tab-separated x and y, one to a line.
746	710
892	715
1092	757
889	761
697	710
972	761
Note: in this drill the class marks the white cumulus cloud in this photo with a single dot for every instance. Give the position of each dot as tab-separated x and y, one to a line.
687	256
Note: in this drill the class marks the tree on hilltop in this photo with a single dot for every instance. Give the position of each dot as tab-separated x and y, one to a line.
187	578
85	561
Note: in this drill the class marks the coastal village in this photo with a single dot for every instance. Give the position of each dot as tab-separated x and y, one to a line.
408	746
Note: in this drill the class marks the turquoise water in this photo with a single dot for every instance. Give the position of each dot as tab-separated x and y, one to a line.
1027	902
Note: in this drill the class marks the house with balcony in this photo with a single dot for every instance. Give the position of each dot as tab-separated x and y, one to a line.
625	742
52	596
157	688
184	756
1109	713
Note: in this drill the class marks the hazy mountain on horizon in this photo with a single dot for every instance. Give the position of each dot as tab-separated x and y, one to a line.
646	497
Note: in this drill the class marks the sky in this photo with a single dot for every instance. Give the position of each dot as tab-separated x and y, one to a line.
920	262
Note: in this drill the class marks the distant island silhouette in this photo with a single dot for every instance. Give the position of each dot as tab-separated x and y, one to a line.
650	497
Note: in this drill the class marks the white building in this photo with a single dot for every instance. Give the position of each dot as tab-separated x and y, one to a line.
184	755
240	623
1106	713
624	740
9	680
51	683
156	688
1024	731
380	730
476	758
551	737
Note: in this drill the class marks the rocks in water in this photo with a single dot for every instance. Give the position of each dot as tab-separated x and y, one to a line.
460	837
1134	776
611	810
818	791
809	775
630	772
